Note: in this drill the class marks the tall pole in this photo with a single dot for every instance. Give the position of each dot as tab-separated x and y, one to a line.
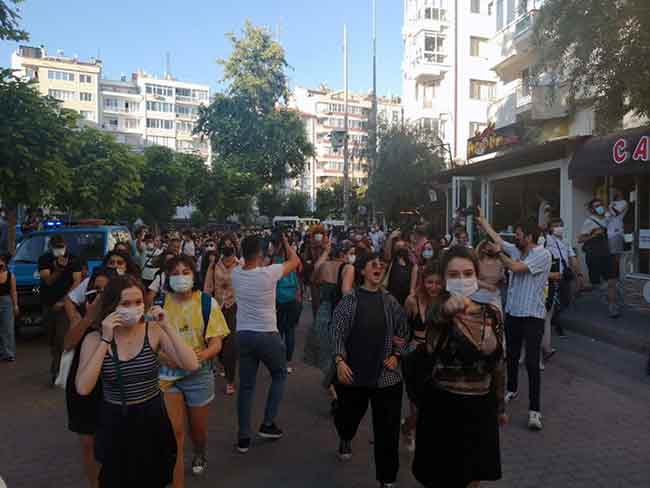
346	169
372	139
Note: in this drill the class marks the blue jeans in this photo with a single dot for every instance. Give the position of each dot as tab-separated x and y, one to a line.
7	333
268	348
288	316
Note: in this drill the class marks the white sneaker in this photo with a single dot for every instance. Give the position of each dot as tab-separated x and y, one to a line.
534	420
511	396
289	370
541	366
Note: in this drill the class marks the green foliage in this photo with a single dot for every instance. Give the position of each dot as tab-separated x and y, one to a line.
104	175
198	219
255	70
329	201
601	49
271	203
297	204
9	17
163	178
407	160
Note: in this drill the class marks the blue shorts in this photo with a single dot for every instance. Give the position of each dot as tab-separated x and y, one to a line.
197	388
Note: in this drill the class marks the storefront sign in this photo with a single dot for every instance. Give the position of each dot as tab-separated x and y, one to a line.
621	152
644	239
489	141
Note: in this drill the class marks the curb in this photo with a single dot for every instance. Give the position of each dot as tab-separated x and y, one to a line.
629	341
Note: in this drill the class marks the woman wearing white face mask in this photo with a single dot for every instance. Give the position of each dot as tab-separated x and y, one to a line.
459	408
188	394
134	439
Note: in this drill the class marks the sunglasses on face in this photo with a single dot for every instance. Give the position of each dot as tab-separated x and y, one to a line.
377	264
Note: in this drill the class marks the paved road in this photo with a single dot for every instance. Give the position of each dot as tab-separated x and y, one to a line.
596	403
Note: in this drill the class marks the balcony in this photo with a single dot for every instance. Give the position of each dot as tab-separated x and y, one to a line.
517	100
430	66
512	44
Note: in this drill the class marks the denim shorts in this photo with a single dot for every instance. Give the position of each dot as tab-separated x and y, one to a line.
197	388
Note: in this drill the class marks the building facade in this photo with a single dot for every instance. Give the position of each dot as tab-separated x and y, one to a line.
323	112
141	110
74	82
447	80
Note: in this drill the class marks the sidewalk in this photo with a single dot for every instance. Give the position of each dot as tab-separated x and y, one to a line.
588	316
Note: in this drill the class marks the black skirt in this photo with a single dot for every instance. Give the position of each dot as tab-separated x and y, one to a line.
457	439
136	450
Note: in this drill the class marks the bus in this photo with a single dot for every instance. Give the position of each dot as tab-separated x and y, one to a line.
294	222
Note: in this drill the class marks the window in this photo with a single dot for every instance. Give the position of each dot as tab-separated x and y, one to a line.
434	48
192	93
160	107
430	125
60	75
476	6
478	47
111	103
482	90
88	115
85	97
427	92
166	91
183	126
111	123
160	124
525	83
131	124
476	128
64	95
436	10
169	142
395	117
511	11
186	110
499	14
85	79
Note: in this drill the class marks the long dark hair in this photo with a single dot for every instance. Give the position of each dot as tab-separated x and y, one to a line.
459	252
112	295
131	268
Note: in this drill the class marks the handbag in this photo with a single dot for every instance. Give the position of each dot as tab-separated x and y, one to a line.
598	246
567	274
64	368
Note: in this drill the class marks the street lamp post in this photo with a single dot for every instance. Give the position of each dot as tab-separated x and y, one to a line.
372	166
346	168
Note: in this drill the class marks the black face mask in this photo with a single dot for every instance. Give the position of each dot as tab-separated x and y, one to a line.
228	251
402	253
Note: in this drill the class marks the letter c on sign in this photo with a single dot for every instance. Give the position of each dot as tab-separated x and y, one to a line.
620	153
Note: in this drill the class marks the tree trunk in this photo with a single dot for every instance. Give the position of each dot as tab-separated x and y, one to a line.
11	230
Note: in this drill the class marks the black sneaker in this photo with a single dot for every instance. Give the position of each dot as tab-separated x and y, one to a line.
243	445
345	450
270	432
199	465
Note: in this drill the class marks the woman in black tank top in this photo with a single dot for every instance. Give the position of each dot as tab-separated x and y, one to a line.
135	442
428	292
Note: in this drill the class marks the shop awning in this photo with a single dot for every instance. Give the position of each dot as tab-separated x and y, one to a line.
513	159
623	153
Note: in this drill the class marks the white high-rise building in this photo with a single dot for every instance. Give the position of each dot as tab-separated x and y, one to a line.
447	80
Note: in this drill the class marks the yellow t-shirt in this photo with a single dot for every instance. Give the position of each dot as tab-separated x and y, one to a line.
187	318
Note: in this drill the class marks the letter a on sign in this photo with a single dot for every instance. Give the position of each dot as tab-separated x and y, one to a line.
642	151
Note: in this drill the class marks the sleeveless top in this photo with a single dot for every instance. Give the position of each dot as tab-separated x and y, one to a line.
139	376
399	281
415	322
5	288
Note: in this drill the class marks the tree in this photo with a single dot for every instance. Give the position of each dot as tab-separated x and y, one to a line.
329	201
271	202
163	178
249	126
34	135
104	175
407	160
256	69
297	204
9	18
599	48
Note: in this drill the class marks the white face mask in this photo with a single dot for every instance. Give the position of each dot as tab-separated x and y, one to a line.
541	240
181	283
352	259
463	287
131	315
151	247
427	253
318	237
120	271
58	252
558	232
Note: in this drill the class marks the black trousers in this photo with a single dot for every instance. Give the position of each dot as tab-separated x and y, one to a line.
529	330
229	351
386	406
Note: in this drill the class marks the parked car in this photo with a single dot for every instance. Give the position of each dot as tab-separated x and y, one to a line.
87	242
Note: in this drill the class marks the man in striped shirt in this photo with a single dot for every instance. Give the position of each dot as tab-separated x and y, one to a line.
529	265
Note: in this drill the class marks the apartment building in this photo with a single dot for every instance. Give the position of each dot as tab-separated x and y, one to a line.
323	112
74	82
141	110
447	80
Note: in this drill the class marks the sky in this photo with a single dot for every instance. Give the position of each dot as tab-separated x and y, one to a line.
133	34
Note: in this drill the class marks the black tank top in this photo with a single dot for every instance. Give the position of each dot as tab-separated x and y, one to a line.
416	322
5	288
399	281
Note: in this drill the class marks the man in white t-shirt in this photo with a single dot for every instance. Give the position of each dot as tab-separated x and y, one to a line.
187	246
258	337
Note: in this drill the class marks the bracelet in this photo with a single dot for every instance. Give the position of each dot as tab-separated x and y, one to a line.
106	340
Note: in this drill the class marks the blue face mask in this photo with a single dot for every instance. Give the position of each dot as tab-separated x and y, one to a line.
600	210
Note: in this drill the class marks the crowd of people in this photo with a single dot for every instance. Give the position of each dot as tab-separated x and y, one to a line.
430	316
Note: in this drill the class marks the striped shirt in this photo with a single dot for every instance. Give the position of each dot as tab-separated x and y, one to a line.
139	376
526	290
